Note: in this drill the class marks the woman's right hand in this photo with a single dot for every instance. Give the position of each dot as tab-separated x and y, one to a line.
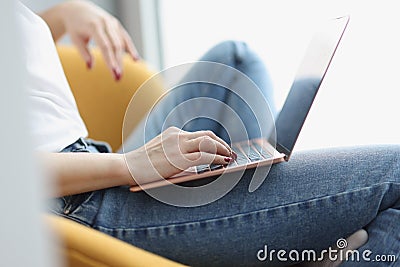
174	151
84	21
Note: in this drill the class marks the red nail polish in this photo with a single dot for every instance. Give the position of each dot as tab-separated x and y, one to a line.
117	75
89	64
228	160
234	155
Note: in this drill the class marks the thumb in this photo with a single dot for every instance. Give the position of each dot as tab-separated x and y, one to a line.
82	46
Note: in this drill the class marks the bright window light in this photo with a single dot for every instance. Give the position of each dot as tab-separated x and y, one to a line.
358	101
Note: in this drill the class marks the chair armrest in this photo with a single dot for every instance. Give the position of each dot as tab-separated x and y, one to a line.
86	247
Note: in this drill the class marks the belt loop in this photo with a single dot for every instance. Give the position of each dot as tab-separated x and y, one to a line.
83	142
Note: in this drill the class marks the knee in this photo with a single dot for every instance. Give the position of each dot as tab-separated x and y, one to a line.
228	52
230	46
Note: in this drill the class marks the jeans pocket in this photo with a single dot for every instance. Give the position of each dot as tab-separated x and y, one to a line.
57	205
75	201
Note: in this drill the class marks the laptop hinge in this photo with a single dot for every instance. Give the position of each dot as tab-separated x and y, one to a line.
283	150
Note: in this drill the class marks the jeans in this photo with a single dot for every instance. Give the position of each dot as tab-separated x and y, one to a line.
233	98
307	203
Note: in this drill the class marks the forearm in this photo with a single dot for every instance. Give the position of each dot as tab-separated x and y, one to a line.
54	19
75	173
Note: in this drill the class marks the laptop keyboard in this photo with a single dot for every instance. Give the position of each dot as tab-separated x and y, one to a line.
247	152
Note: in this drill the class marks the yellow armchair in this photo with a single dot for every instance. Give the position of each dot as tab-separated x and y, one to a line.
102	103
101	100
85	247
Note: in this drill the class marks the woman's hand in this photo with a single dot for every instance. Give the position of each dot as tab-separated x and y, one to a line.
84	22
174	151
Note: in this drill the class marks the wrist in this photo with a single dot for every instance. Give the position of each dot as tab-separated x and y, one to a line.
54	18
121	171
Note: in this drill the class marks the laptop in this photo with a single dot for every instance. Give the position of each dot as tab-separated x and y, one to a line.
260	152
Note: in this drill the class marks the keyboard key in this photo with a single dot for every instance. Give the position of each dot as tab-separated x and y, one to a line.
255	158
216	167
250	152
241	156
262	151
241	160
202	168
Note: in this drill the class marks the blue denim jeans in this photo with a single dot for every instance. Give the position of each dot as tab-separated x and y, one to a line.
307	203
218	97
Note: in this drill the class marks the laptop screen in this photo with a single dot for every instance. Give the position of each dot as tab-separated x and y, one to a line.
306	84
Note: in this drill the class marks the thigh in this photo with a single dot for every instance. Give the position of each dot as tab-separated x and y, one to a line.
309	202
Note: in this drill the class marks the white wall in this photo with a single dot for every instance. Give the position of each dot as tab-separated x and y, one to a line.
138	16
141	19
358	102
39	5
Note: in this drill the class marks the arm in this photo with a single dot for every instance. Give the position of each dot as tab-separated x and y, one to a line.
84	22
54	19
75	173
166	155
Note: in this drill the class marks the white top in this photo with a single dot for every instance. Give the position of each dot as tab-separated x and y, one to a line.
54	119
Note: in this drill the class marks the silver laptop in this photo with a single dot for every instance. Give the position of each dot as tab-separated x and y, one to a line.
260	152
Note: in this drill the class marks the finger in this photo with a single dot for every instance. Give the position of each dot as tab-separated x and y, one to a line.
116	42
207	144
212	135
82	46
129	45
357	240
104	44
202	158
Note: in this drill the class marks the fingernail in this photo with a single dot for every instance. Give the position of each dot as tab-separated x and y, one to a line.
89	64
234	155
136	57
117	75
228	160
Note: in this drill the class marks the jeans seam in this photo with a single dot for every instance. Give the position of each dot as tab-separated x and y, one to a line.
71	218
241	214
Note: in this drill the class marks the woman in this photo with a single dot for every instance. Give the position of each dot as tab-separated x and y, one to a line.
308	203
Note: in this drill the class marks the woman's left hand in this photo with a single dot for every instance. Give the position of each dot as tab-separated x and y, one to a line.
84	22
